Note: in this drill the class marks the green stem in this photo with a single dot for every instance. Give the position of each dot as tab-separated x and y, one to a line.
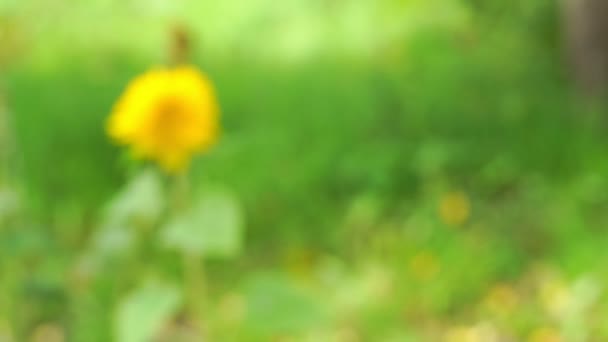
195	287
180	194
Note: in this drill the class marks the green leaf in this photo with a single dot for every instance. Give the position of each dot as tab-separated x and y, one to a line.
276	306
141	202
142	314
9	203
213	226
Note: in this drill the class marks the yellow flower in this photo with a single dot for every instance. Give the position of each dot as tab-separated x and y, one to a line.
545	334
166	115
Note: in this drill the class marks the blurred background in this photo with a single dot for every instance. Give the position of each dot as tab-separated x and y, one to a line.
389	170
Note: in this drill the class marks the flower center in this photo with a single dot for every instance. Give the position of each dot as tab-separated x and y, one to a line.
169	120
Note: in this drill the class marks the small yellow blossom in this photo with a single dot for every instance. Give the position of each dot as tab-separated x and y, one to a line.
454	208
555	296
545	334
166	115
480	332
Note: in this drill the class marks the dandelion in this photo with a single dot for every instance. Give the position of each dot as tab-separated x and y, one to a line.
167	116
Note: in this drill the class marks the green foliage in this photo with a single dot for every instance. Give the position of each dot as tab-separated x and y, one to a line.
141	203
213	226
142	313
276	307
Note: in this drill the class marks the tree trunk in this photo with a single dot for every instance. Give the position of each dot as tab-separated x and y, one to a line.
586	23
